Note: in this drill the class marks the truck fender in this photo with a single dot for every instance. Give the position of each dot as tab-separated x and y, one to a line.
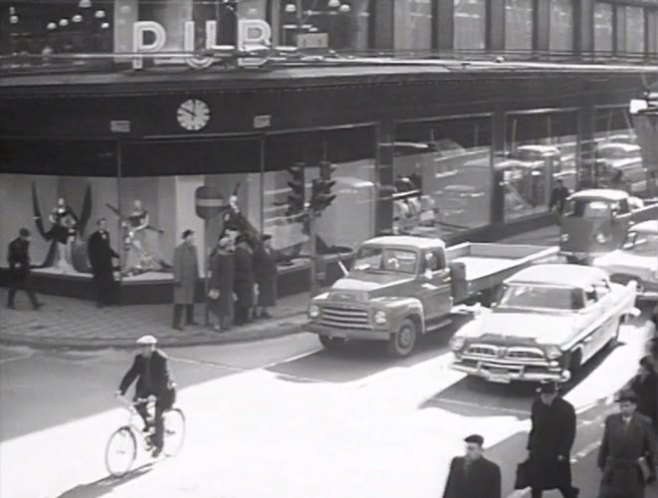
409	308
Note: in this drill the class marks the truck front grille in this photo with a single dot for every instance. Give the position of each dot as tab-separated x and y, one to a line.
344	317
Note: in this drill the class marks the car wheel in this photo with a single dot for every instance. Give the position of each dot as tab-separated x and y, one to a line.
403	343
331	343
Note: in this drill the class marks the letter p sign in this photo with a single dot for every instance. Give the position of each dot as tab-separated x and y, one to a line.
139	43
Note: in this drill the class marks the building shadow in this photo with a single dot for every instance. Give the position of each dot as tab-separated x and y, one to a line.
106	485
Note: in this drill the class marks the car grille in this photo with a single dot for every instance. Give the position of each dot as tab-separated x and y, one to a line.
344	317
500	352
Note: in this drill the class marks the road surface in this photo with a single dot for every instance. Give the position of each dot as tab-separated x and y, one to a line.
284	419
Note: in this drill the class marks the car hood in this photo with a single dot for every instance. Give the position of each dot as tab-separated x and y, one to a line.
624	262
502	327
362	286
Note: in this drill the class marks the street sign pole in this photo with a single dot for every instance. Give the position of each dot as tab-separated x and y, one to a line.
313	251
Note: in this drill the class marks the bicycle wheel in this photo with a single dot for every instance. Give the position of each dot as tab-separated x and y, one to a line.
121	452
174	431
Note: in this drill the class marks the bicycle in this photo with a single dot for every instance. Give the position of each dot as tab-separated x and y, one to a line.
122	446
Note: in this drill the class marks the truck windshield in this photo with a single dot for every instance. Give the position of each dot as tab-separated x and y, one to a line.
380	259
642	244
588	208
534	296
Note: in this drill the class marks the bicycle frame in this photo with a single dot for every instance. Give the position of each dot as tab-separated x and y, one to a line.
133	415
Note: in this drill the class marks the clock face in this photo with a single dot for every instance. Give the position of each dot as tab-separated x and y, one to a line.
193	114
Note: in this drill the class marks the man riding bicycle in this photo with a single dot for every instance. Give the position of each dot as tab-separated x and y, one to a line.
154	378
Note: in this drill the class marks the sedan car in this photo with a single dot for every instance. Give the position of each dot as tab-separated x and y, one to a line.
549	321
637	260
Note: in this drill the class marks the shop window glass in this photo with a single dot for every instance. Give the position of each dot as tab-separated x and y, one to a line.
470	24
413	25
603	27
561	25
635	30
518	24
542	148
442	175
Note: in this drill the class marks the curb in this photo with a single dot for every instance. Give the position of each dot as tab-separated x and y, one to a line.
287	326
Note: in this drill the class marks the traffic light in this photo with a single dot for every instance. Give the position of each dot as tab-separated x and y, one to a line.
321	196
297	186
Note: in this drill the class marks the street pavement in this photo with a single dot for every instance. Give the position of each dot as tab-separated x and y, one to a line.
282	418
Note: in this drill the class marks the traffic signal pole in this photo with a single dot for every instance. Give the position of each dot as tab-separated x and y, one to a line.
313	274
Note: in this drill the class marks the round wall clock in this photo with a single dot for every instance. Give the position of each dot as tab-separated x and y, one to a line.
193	114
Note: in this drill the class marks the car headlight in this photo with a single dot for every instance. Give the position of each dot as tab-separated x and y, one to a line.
564	237
553	352
457	343
380	317
602	238
313	311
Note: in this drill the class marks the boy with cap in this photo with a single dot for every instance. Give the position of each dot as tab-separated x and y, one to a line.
550	440
627	452
473	475
154	378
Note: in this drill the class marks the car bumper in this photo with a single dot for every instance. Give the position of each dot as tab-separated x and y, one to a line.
504	373
349	334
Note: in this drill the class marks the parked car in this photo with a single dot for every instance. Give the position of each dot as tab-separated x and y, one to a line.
549	321
613	158
637	260
596	221
403	286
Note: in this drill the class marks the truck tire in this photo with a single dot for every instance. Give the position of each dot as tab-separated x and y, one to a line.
331	343
403	342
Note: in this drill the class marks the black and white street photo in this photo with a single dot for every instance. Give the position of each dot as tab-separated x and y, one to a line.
329	248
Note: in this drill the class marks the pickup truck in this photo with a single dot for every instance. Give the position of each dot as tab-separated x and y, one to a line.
403	286
550	320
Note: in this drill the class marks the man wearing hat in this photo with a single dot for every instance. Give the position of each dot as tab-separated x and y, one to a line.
222	275
18	256
645	387
266	276
628	451
186	275
550	440
154	378
473	476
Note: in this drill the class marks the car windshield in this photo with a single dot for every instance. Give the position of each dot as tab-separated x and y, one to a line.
642	244
589	208
540	296
380	259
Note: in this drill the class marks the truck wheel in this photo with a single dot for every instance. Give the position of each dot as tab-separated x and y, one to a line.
403	343
331	343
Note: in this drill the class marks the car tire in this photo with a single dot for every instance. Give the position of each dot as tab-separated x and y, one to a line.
575	363
331	343
403	342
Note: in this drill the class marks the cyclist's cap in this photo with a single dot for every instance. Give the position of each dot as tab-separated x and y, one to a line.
147	340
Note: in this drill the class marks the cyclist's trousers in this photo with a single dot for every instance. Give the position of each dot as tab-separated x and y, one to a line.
162	404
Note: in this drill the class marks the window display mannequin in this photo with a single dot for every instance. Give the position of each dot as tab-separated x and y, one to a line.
235	222
64	231
142	246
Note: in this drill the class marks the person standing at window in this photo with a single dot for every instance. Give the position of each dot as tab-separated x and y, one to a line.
186	275
559	197
101	255
222	275
266	276
244	280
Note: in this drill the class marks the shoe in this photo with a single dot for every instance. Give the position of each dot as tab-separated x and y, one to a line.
11	307
180	328
156	452
265	314
38	306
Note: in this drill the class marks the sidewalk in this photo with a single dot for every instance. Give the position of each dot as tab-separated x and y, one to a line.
71	323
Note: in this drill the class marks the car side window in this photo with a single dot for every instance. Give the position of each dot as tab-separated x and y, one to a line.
590	296
434	261
623	207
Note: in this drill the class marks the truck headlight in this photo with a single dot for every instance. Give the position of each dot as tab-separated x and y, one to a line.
602	238
457	343
314	311
553	352
380	317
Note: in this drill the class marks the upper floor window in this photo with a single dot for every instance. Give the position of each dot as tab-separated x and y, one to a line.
518	25
561	26
634	30
470	24
603	27
413	25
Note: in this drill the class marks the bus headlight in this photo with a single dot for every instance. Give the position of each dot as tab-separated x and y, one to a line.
553	352
602	238
314	311
380	317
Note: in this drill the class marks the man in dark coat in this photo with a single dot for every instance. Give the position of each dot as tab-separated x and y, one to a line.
645	387
244	280
154	378
559	197
186	275
551	437
101	255
266	276
473	476
628	440
20	278
222	276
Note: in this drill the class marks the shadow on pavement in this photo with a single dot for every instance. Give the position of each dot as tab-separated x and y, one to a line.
107	485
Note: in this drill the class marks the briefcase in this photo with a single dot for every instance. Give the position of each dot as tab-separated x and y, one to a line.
523	475
645	468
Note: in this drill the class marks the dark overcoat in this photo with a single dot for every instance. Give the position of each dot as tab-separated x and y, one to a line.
244	275
18	257
552	435
186	273
222	277
153	376
100	252
482	480
646	390
620	450
266	275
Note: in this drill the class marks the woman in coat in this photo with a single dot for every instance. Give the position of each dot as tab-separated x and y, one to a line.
186	274
266	275
244	280
222	276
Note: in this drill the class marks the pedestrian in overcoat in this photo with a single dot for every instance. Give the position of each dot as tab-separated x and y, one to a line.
20	269
266	276
222	276
473	475
628	441
645	387
551	437
244	280
101	255
186	275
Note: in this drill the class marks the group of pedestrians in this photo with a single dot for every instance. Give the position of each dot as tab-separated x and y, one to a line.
242	281
627	457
